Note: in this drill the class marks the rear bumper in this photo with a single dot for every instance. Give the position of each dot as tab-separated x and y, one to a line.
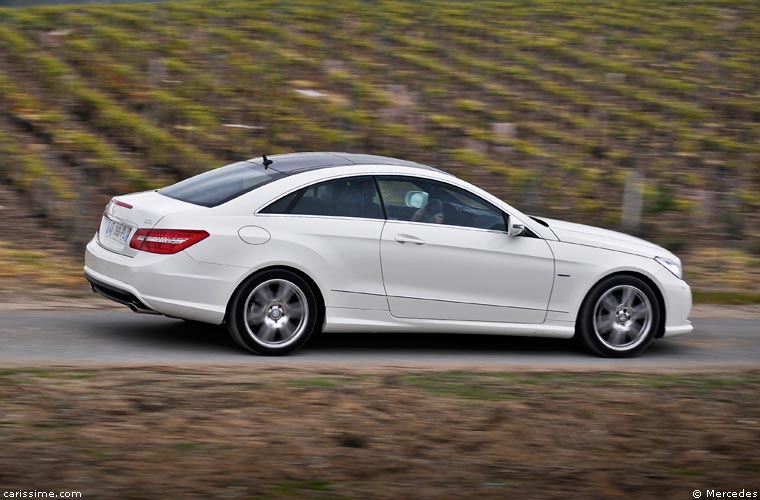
117	294
175	285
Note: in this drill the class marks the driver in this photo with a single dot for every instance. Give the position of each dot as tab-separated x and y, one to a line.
432	213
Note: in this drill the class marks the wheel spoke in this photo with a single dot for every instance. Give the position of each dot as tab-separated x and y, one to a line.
617	337
640	312
295	310
626	299
284	293
609	303
256	315
267	332
605	324
264	295
288	328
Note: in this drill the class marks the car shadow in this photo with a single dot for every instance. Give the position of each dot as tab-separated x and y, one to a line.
431	343
169	333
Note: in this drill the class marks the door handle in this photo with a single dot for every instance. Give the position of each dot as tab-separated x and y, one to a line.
405	238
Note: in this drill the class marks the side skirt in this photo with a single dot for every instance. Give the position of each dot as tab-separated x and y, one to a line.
339	319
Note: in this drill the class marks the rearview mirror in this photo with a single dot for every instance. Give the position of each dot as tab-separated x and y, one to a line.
514	228
416	199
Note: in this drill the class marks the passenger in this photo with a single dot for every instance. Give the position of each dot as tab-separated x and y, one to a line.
432	213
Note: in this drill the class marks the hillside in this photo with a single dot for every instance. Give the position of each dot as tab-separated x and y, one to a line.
628	114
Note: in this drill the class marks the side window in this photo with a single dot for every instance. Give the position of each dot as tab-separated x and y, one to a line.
422	200
344	197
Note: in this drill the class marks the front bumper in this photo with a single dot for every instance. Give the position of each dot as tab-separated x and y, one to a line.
672	331
175	285
677	295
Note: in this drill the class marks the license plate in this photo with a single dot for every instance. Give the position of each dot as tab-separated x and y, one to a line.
117	231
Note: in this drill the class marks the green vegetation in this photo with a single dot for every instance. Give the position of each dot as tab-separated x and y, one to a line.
494	385
316	382
723	297
548	104
21	268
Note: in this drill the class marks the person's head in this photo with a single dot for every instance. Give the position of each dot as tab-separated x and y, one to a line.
434	206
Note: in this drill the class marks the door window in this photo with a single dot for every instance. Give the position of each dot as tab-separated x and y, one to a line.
344	197
415	199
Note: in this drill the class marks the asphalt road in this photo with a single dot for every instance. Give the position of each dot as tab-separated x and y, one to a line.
112	337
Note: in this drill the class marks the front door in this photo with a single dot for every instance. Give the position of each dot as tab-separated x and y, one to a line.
446	255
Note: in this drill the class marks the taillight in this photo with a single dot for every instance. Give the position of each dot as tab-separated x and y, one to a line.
165	241
121	203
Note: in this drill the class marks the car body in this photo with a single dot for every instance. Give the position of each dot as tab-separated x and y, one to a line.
355	240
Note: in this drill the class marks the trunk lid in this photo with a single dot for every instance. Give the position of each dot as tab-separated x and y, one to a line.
125	214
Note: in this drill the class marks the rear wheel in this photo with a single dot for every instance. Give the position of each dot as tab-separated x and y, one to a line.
620	317
274	313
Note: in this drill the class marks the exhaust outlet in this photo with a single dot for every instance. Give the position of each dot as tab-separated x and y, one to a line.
137	308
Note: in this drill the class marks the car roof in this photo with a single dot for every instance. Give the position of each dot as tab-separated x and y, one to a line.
294	163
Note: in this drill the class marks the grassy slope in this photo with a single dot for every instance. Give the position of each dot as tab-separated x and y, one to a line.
134	96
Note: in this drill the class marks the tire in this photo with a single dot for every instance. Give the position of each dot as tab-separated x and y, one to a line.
273	313
619	318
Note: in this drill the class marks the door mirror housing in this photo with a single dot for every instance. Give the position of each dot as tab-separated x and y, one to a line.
514	228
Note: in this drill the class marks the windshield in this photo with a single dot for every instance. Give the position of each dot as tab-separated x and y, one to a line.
221	185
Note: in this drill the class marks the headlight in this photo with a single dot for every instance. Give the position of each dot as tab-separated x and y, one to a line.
672	265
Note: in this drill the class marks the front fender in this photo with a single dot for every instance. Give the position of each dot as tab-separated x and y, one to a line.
579	267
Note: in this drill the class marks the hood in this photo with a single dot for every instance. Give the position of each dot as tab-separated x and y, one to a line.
582	234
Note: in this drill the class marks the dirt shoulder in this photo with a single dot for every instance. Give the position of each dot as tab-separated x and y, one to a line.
178	433
80	300
720	311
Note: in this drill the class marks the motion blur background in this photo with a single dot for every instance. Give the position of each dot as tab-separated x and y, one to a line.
635	115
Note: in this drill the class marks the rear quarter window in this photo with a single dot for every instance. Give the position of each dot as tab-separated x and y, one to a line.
343	197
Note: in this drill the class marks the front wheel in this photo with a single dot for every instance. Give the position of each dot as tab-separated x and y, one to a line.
619	318
274	313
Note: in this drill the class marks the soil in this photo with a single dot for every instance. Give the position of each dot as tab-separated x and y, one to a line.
218	433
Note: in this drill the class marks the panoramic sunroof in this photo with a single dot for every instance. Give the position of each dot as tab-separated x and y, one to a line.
293	162
298	162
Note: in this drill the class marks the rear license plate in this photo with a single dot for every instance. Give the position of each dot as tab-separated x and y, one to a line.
117	231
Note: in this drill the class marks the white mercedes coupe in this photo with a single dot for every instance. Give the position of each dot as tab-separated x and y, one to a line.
282	247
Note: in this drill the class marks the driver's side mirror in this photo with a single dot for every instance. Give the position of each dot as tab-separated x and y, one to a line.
513	228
